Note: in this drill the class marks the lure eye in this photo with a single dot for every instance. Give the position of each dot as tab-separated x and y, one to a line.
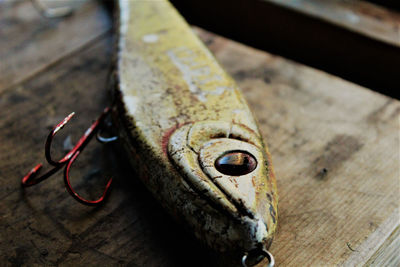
236	163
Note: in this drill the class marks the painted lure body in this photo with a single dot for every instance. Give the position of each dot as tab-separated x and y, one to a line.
181	120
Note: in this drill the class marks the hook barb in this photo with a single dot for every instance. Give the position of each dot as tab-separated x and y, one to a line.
30	180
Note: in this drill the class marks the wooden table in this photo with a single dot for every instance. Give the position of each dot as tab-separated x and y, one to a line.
335	148
356	40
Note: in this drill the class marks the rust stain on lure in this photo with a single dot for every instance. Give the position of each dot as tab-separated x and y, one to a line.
199	145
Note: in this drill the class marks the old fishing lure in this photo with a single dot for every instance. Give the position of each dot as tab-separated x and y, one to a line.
188	130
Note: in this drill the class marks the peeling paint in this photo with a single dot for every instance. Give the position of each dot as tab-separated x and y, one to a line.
150	38
131	103
189	74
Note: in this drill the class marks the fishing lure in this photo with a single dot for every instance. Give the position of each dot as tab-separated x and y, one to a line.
186	127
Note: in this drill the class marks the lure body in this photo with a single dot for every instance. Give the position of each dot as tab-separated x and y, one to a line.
184	123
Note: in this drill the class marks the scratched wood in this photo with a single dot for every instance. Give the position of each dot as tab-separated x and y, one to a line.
335	148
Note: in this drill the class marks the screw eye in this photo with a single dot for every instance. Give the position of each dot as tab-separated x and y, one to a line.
236	163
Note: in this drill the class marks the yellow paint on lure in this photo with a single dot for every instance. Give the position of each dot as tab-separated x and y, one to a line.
188	130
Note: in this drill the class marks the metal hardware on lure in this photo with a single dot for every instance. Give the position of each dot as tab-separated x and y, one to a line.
67	161
187	129
264	253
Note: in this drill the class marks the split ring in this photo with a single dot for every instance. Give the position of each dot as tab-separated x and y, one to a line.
264	253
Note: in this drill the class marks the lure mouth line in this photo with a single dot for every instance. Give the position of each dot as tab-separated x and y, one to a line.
242	211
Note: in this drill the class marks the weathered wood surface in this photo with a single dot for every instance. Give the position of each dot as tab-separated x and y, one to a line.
355	40
361	17
30	43
335	148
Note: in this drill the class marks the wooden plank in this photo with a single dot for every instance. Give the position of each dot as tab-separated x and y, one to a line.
358	16
366	59
42	224
394	4
29	42
388	254
335	151
334	147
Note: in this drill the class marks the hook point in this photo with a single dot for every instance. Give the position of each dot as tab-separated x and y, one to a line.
31	174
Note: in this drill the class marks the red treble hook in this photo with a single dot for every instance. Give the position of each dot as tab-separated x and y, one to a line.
68	159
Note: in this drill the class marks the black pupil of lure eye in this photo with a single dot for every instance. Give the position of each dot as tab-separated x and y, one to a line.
236	163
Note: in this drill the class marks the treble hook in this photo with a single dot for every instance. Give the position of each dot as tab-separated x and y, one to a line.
68	159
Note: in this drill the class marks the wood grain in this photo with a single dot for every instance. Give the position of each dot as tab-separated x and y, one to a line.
388	254
42	224
359	16
30	43
335	148
354	40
